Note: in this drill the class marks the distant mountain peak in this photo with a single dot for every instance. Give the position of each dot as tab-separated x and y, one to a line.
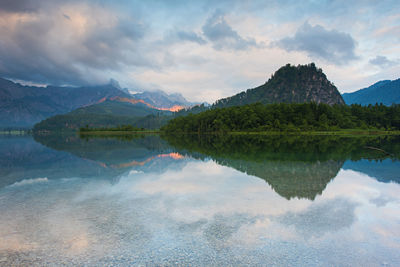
163	100
115	84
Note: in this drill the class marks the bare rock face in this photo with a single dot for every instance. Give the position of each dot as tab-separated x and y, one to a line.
289	84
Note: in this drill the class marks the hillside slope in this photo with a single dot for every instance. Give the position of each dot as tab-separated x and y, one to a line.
109	113
386	92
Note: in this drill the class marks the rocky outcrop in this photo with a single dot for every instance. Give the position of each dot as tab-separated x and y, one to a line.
289	84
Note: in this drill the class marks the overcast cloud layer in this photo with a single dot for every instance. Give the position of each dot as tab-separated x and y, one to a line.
202	49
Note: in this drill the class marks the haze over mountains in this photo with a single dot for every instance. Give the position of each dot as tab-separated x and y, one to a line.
172	102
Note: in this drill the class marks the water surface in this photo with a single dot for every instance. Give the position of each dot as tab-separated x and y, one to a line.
203	201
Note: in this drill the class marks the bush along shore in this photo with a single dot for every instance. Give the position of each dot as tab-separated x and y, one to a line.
115	130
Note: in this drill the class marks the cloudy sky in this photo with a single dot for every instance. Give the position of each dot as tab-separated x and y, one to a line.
202	49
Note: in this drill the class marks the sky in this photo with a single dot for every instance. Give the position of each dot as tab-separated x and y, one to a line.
204	50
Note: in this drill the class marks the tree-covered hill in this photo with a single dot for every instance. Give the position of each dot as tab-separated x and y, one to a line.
106	114
289	84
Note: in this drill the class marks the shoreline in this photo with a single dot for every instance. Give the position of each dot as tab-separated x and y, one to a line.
305	133
116	132
341	133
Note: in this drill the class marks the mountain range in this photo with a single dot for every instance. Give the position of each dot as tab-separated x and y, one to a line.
109	105
289	84
23	106
386	92
171	102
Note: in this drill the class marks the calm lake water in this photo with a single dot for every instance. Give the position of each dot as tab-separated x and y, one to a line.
200	201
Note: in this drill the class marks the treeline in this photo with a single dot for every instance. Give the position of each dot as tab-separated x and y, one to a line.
192	110
74	122
288	117
126	128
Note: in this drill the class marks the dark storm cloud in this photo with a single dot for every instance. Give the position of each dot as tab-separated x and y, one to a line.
19	5
47	49
218	31
382	61
108	47
331	45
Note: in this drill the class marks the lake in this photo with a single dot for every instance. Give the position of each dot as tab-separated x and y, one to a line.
199	200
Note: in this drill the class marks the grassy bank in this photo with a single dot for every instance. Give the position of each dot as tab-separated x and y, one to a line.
101	132
350	132
15	132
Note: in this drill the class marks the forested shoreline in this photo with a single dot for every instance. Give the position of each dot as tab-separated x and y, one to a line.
288	118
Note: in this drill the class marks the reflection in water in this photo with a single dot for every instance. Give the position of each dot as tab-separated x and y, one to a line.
163	206
294	166
59	157
290	178
109	151
386	170
22	158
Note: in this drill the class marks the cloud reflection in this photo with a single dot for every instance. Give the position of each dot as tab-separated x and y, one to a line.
197	214
328	216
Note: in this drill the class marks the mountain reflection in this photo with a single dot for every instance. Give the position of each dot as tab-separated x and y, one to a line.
110	151
146	153
294	166
22	158
58	156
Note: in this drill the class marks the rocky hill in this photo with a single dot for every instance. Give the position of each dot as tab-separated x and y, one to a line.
289	84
